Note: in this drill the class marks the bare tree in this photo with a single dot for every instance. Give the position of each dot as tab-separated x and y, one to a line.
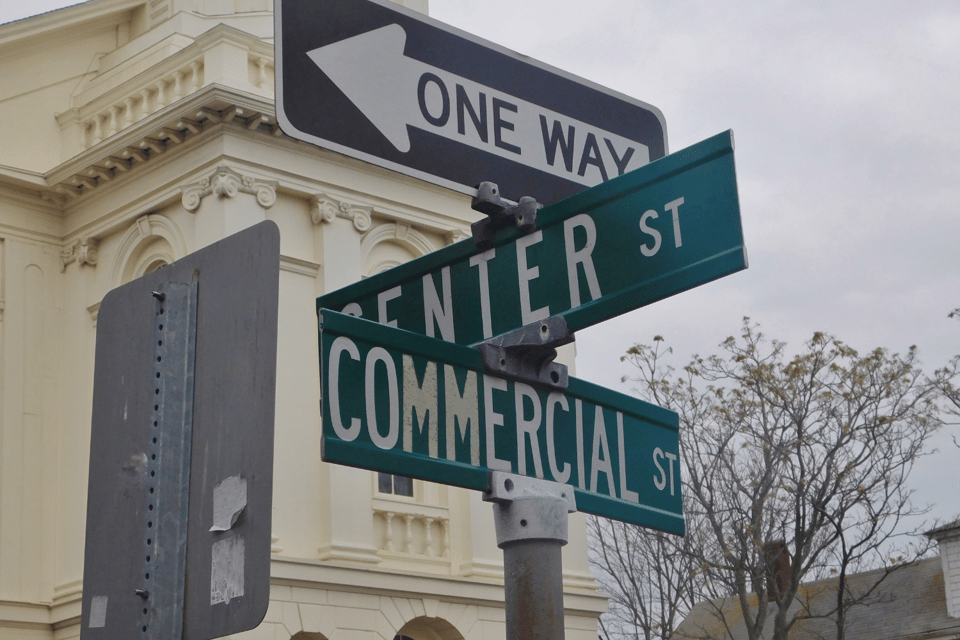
812	450
643	576
945	378
653	579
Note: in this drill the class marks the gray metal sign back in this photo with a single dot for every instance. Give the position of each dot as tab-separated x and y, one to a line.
181	450
376	81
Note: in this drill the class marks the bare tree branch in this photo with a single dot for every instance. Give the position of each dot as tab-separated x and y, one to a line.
814	450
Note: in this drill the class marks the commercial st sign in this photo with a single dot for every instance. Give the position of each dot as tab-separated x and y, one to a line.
411	405
379	82
664	228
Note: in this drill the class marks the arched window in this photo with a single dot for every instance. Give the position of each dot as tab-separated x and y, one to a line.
151	242
389	245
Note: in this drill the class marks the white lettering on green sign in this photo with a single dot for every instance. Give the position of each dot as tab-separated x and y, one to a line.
581	282
407	407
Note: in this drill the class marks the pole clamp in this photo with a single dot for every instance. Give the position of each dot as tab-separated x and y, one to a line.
528	354
529	508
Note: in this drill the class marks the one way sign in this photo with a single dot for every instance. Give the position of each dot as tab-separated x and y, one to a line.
375	81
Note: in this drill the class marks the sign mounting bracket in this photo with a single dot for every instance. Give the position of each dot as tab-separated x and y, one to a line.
500	213
528	353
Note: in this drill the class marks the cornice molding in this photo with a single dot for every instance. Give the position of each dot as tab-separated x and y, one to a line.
224	182
207	111
213	110
129	77
148	139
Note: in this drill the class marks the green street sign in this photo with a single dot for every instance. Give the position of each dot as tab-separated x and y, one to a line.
398	402
664	228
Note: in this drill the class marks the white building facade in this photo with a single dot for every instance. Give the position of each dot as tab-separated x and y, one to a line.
132	133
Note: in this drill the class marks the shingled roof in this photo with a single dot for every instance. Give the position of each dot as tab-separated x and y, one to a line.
909	605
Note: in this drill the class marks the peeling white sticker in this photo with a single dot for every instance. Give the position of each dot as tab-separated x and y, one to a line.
229	501
98	612
226	572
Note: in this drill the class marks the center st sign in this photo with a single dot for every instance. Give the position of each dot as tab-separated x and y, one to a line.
407	404
664	228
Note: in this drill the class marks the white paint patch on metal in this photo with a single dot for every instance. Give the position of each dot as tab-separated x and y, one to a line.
226	572
98	612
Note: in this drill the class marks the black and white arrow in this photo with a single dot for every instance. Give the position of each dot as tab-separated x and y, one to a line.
395	92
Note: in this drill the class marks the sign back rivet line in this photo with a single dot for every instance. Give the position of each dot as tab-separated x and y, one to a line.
167	463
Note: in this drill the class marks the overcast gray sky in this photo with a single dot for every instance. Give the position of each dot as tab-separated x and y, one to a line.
846	118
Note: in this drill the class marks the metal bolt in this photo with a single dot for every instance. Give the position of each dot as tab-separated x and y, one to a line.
143	593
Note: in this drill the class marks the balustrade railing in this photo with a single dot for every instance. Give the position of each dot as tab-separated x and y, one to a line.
413	534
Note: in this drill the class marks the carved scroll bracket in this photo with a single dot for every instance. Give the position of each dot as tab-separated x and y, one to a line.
323	208
226	183
83	251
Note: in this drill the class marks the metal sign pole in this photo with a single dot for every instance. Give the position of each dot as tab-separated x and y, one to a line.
531	524
168	463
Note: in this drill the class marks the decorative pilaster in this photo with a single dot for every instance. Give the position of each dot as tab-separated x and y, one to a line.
323	208
83	251
226	183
